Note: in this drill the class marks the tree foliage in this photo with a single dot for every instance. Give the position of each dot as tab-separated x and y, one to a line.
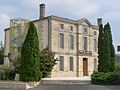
106	57
29	63
1	53
47	62
16	64
106	54
100	48
112	50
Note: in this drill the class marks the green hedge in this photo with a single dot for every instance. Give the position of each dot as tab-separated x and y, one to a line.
110	78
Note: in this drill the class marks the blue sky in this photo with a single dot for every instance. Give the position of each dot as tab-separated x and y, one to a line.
109	10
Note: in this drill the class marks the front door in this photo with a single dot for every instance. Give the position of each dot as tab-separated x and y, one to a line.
85	67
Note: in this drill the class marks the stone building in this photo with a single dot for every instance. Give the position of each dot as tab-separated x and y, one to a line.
73	41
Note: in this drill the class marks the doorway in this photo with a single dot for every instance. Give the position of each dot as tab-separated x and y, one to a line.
85	66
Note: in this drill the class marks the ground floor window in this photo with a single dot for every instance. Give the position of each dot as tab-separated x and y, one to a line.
95	64
61	63
71	64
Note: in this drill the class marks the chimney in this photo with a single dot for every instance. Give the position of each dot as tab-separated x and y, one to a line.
42	11
99	21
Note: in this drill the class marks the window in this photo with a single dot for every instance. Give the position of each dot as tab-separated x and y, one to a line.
85	31
85	43
62	26
61	63
61	40
71	42
71	64
71	28
118	48
95	45
95	33
95	64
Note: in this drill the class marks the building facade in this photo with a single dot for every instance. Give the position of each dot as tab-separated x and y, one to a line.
74	43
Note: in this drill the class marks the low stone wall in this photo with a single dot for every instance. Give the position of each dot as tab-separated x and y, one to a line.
14	85
11	85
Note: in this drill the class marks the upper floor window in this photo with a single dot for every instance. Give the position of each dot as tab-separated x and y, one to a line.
85	31
71	42
95	33
62	26
61	63
85	43
95	45
71	28
61	40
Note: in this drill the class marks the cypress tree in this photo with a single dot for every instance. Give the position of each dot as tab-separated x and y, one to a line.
106	49
112	51
100	49
29	63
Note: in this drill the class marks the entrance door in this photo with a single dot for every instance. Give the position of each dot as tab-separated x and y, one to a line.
85	67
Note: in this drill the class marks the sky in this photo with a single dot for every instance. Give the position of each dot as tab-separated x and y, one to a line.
108	10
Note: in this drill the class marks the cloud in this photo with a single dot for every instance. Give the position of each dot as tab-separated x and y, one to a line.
73	7
30	3
5	10
113	16
4	22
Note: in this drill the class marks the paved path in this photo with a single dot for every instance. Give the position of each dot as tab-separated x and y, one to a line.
75	87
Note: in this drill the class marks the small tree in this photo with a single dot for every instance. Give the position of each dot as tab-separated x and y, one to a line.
47	62
29	63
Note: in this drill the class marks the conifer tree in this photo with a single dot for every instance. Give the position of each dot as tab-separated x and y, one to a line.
100	49
29	63
106	49
112	51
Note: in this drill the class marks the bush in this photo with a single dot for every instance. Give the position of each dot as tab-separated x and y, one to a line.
47	62
6	74
16	64
117	67
110	78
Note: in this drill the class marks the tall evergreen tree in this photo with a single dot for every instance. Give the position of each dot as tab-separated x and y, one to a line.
112	51
29	63
100	49
106	49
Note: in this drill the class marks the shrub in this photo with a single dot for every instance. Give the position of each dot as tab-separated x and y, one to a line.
110	78
7	74
47	62
117	68
16	64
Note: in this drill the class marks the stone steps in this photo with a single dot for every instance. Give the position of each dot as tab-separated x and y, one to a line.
65	82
